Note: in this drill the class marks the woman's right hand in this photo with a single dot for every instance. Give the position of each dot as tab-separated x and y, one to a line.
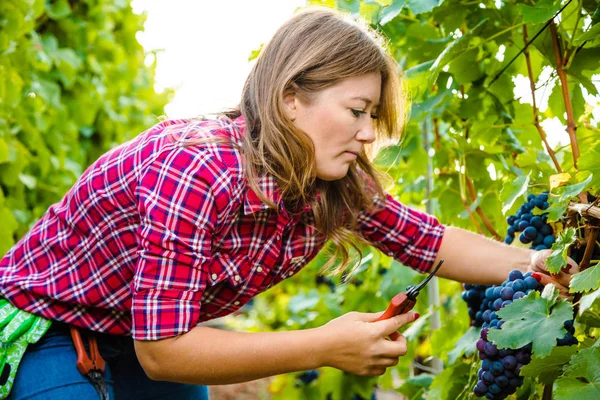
356	342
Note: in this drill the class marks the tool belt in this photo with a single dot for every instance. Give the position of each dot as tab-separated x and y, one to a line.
18	329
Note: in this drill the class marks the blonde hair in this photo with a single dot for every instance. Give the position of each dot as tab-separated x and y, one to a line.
312	51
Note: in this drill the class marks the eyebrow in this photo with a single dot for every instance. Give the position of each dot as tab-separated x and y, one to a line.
366	100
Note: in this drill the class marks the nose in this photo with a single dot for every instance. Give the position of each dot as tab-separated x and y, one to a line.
366	133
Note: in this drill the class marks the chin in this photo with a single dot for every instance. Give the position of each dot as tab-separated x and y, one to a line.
333	176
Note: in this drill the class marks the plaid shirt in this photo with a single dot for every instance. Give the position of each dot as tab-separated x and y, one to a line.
157	235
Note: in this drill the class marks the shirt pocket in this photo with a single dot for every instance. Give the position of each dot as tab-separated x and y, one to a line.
237	270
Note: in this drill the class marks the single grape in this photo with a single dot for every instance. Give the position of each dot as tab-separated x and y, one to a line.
549	241
531	282
509	362
536	221
490	349
515	274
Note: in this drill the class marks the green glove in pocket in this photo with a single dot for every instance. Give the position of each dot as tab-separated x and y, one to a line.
18	329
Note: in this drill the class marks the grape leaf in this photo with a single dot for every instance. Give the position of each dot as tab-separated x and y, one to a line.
464	345
511	190
586	280
541	12
588	300
548	368
589	161
416	385
581	182
530	320
582	377
422	6
390	12
453	50
558	257
449	384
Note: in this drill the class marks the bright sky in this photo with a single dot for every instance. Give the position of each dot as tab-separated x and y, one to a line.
206	45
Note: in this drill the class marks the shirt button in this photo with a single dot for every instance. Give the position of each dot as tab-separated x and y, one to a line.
236	303
258	269
237	278
278	237
209	315
214	276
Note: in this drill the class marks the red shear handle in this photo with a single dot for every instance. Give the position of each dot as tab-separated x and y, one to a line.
84	363
399	304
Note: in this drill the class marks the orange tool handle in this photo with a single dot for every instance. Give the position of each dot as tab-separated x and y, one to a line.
84	363
400	304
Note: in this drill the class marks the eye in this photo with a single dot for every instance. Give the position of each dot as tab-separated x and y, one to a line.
374	116
357	113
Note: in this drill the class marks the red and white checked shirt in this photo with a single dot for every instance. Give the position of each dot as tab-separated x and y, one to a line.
157	236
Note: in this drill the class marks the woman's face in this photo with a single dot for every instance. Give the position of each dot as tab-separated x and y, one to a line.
339	120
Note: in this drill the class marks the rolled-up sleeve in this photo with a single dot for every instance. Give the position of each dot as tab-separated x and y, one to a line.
180	198
409	236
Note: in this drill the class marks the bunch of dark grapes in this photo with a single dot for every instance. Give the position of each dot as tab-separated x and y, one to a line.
498	376
306	377
534	228
474	295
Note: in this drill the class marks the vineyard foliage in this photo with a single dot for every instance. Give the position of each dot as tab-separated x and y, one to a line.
73	83
469	68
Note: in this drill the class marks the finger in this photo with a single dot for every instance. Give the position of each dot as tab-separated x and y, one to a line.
560	281
572	267
387	362
367	317
396	322
397	348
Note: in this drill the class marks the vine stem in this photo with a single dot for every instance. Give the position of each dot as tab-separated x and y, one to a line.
536	120
479	210
585	210
547	392
562	75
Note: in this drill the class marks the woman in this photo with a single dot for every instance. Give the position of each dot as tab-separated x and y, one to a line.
192	218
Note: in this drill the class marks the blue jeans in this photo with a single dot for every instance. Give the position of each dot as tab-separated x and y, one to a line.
47	372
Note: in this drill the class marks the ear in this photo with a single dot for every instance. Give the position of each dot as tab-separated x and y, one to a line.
290	103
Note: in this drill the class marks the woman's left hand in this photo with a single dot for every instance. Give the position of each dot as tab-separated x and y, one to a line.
561	280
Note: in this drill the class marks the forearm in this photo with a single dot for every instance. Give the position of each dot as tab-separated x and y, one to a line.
212	357
473	258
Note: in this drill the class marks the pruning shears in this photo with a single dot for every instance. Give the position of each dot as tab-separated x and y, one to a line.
405	301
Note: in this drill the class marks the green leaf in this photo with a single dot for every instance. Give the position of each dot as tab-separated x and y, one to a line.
449	384
3	151
390	12
542	11
586	280
587	301
560	248
511	190
58	9
548	368
306	302
422	6
532	319
590	34
415	386
581	380
589	161
456	48
464	345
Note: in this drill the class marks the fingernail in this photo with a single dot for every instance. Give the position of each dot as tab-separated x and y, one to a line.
417	315
536	276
